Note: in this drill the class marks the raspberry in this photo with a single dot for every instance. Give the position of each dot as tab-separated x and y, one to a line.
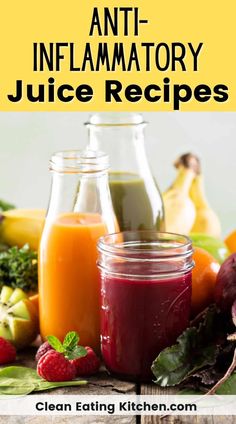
55	367
7	351
87	365
44	348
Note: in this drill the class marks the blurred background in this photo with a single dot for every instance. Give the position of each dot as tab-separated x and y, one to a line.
27	141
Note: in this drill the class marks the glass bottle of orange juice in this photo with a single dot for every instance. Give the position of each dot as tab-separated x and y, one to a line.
80	211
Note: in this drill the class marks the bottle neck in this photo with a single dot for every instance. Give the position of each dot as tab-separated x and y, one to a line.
86	193
123	143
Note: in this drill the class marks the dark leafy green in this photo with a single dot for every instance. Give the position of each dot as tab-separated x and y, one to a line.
24	380
196	348
19	268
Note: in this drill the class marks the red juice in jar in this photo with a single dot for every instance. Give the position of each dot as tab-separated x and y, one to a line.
145	298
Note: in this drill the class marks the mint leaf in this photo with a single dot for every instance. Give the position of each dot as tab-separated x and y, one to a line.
71	340
77	352
195	349
55	343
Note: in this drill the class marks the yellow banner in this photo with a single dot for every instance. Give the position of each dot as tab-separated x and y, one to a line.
122	56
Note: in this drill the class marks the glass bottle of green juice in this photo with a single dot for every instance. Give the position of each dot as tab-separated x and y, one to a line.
137	201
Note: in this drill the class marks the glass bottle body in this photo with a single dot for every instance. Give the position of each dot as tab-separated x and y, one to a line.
80	211
137	201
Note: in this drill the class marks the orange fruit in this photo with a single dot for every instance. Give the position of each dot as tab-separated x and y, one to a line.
203	280
230	241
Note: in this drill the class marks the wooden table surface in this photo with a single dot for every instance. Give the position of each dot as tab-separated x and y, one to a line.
103	384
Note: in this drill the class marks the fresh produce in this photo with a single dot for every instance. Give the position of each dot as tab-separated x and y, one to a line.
53	366
206	220
19	268
214	246
23	380
180	211
186	206
44	348
87	365
204	276
22	226
5	206
7	351
202	357
225	289
18	317
230	241
35	300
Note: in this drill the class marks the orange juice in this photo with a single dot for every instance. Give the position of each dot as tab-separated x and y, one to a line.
68	277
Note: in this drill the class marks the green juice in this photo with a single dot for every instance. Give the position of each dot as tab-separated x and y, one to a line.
133	206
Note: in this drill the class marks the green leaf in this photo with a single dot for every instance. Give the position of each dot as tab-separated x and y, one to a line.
17	390
71	340
195	349
24	373
228	387
77	352
17	380
55	343
46	385
23	380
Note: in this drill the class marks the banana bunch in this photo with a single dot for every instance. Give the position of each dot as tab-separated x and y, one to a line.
21	226
186	206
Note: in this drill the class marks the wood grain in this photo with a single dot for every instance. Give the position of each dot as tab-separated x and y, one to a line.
152	389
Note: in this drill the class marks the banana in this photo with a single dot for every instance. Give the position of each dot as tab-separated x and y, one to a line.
180	212
21	226
206	221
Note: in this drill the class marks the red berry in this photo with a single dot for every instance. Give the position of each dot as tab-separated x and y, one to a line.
7	351
87	365
44	348
55	367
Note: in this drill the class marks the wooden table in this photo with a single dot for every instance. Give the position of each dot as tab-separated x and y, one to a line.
103	384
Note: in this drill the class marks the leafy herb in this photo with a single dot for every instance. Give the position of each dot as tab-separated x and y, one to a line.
5	206
196	348
69	347
18	268
24	380
55	343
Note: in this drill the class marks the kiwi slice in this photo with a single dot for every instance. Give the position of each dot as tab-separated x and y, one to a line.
18	317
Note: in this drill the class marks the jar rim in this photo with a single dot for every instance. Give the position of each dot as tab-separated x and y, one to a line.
164	245
79	161
115	119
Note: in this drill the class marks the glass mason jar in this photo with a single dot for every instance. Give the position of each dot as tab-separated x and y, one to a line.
145	298
80	211
137	201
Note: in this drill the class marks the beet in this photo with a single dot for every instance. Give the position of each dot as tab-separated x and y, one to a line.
225	288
